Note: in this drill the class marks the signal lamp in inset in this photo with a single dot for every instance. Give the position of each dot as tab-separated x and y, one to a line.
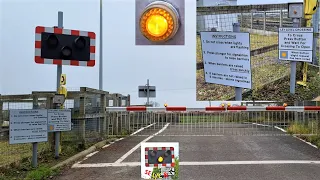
159	21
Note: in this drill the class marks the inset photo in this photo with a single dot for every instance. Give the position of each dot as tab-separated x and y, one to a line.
160	22
255	53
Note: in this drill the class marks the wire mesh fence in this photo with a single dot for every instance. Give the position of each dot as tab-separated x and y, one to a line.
262	22
89	123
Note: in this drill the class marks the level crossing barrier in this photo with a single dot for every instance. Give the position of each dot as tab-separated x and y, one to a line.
216	121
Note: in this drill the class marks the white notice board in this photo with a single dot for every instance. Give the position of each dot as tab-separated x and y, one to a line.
295	44
59	120
226	58
28	126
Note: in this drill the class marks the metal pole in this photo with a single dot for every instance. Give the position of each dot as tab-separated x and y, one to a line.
100	52
236	28
293	69
59	72
34	161
315	23
148	95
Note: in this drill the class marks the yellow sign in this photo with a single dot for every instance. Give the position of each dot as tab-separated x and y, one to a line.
63	79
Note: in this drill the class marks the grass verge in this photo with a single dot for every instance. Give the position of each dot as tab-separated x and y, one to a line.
310	128
21	168
280	90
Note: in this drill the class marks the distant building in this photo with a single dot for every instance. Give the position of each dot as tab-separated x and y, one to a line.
219	22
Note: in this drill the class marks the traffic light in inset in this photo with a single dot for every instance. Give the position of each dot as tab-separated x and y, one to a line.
64	46
160	22
159	157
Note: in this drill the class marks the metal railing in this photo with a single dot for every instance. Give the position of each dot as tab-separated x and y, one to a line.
219	121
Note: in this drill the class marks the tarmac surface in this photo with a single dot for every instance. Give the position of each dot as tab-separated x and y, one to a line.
235	152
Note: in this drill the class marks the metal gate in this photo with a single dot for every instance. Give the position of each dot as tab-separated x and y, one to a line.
214	121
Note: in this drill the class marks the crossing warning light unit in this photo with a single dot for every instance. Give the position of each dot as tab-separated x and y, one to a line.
160	160
159	156
159	21
64	46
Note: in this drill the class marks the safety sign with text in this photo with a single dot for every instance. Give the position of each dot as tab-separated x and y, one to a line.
28	126
59	120
296	44
226	58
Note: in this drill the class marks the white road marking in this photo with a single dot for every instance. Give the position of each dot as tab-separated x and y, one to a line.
264	125
88	155
105	146
280	129
205	163
91	154
307	142
142	129
248	162
138	145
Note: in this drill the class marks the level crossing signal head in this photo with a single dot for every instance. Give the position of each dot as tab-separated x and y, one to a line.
64	46
160	21
165	105
285	104
159	156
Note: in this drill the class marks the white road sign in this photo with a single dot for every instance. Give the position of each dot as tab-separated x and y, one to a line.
295	44
59	120
28	126
226	58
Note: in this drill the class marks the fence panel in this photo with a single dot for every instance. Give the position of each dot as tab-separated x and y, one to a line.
89	121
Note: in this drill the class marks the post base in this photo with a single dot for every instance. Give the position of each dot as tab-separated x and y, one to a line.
302	83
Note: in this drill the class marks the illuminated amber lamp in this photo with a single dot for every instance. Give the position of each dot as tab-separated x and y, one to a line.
159	21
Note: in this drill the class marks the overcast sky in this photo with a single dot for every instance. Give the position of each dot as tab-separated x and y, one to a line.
171	69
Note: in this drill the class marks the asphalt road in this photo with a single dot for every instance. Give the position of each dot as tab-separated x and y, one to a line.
231	155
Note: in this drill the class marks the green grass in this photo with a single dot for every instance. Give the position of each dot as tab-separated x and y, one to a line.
307	128
176	168
280	90
16	152
16	159
41	173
